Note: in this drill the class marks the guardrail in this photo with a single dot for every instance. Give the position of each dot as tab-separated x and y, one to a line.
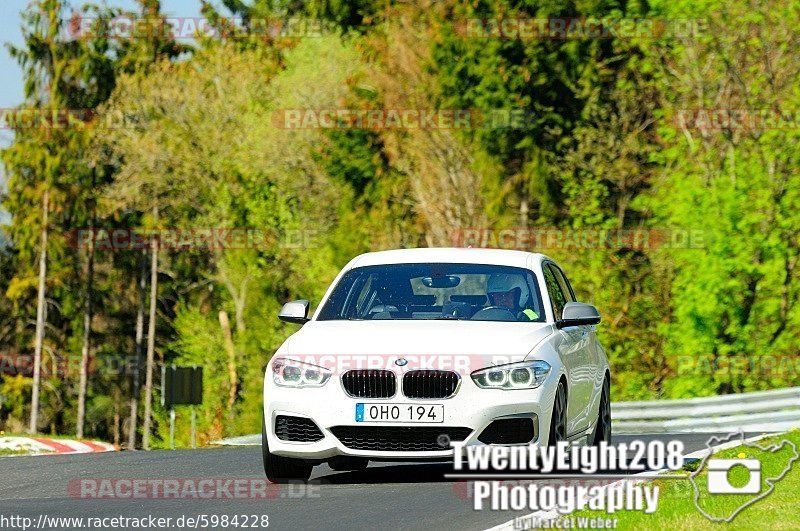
761	411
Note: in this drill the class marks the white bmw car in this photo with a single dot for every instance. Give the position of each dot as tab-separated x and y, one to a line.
410	350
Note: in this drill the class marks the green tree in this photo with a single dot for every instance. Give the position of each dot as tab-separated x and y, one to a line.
737	185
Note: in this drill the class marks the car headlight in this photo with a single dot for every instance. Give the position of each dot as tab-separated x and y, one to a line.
292	373
521	375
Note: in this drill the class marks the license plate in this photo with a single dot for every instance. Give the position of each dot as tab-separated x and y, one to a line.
383	412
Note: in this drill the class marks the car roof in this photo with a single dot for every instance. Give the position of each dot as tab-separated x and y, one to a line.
454	255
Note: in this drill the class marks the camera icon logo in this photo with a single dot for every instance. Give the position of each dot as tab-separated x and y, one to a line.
723	476
719	476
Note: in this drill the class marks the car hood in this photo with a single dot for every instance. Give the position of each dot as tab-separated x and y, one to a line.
416	338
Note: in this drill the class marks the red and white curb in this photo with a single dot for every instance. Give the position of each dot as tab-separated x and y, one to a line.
45	446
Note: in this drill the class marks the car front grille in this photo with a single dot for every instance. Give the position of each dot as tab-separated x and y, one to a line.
399	439
430	384
297	429
374	383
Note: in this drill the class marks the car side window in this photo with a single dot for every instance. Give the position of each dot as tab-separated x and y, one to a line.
554	290
564	283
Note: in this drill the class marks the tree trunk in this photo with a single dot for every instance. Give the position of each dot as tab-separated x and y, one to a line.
40	318
523	211
87	331
151	339
136	377
117	417
224	322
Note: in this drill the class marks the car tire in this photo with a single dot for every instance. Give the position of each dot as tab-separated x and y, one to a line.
558	421
282	469
602	428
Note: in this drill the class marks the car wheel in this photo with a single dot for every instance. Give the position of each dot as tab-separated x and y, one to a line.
602	429
558	422
282	469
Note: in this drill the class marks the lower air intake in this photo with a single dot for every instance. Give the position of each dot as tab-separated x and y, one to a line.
297	429
509	431
399	438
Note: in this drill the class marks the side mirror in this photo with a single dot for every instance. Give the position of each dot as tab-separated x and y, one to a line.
577	314
295	312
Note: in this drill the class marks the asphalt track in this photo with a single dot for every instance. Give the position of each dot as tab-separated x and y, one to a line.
385	495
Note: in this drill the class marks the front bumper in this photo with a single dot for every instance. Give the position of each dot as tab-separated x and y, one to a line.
330	406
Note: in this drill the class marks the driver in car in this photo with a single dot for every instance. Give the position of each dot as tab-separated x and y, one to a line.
510	292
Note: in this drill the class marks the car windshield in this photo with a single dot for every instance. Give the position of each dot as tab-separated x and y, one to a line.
435	291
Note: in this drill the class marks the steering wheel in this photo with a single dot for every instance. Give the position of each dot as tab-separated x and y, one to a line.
494	313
